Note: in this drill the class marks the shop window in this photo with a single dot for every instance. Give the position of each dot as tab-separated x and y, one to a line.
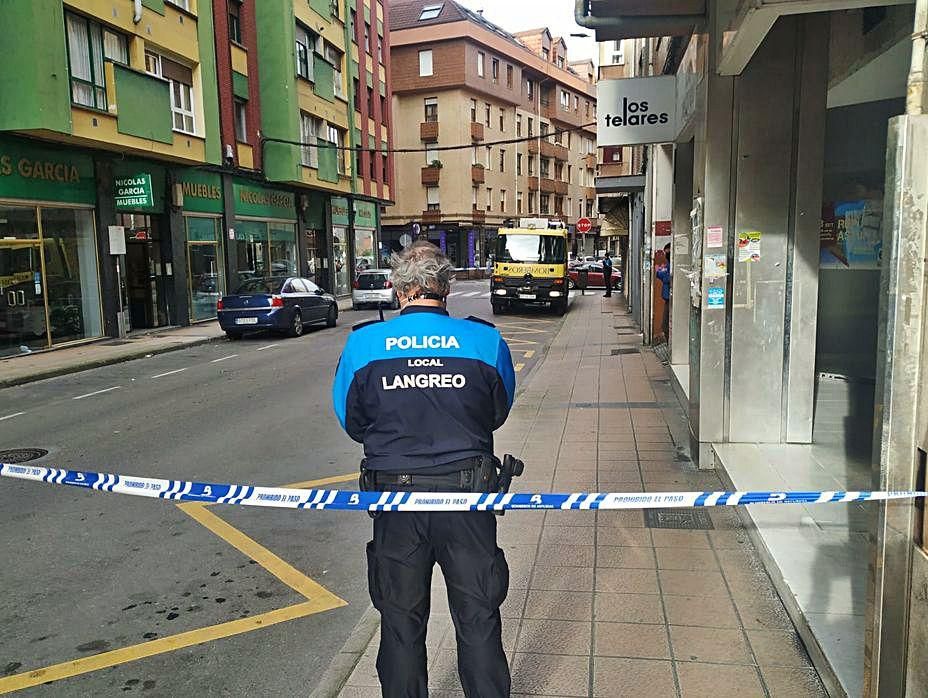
305	46
89	44
342	285
206	280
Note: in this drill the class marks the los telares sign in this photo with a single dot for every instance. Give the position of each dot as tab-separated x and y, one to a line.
635	111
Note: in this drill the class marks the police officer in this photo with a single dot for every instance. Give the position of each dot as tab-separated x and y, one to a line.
423	393
607	274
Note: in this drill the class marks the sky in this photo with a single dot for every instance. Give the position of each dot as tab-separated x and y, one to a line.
557	15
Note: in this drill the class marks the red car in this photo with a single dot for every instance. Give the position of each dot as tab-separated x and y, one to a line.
594	276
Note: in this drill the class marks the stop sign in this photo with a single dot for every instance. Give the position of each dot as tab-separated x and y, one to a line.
584	225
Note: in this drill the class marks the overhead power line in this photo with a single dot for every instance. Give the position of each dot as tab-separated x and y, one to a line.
509	141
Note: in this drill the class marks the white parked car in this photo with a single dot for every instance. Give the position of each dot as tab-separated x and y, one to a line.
373	287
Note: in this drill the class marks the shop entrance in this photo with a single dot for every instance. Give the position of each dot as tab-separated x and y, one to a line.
144	273
23	323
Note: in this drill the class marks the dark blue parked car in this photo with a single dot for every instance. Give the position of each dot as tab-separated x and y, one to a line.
281	303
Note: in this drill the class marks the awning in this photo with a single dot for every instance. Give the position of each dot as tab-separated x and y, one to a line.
619	185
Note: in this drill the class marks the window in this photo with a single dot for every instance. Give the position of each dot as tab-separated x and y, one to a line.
241	128
425	63
367	37
180	78
370	102
509	76
379	47
502	160
431	153
432	202
357	94
570	174
88	45
543	128
565	99
334	57
545	203
235	21
530	90
559	171
576	103
502	200
337	137
531	166
531	127
494	70
546	54
185	4
489	199
518	163
560	61
480	60
518	202
559	205
431	109
311	131
502	119
385	159
518	126
531	202
587	108
618	55
545	167
569	134
473	110
383	110
474	194
570	208
430	12
489	156
305	45
487	115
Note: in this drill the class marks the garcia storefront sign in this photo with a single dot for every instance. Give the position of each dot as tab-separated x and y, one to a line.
251	200
636	111
45	174
134	191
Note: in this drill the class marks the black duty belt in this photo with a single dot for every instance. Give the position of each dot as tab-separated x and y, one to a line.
476	474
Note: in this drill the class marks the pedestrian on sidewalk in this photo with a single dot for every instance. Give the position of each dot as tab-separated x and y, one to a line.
607	274
424	393
663	273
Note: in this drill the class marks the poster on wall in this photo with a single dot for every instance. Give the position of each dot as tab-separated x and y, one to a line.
715	266
749	246
851	236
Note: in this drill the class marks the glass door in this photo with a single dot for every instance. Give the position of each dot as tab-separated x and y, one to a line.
23	322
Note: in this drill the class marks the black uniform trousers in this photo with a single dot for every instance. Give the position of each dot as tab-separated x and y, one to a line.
608	279
400	559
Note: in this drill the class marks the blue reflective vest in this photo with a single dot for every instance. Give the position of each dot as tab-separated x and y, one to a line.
424	389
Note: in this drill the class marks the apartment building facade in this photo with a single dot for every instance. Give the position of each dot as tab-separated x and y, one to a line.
137	179
503	126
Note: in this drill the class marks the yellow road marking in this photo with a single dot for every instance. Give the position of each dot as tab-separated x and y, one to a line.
519	367
319	599
281	569
529	354
160	646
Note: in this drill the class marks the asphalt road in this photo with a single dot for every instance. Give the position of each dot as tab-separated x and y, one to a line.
258	601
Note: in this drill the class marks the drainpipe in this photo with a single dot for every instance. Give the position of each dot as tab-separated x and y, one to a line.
917	93
137	11
625	27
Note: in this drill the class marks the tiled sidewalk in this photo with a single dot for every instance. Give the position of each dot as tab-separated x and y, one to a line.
599	604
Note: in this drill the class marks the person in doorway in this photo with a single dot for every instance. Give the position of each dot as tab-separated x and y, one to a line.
607	274
397	394
663	273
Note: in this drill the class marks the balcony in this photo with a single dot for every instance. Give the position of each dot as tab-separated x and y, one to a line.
431	216
477	174
549	150
559	187
589	161
548	186
476	131
428	131
431	175
589	193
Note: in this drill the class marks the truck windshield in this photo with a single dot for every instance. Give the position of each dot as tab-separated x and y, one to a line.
531	249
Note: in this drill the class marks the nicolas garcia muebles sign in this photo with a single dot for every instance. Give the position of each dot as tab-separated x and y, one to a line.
635	111
134	191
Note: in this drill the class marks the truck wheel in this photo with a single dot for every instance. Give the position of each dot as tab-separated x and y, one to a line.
497	308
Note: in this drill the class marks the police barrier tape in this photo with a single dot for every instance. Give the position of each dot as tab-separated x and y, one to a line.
288	498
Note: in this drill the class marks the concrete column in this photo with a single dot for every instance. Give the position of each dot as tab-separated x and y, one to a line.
106	216
177	292
898	632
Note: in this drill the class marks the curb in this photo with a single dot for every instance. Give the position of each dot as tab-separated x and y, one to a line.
339	670
97	363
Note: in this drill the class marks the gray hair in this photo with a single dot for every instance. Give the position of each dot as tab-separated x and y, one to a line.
421	267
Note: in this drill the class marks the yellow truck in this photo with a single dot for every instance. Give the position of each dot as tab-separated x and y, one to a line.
530	266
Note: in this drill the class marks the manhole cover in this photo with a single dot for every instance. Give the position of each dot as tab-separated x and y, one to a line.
624	350
21	455
677	518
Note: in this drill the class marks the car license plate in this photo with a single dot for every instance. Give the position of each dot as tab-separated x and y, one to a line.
527	296
246	321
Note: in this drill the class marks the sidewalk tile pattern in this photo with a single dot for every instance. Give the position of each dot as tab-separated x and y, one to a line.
600	605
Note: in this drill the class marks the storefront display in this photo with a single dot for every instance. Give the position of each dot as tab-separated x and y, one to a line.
341	263
264	233
202	192
365	226
49	269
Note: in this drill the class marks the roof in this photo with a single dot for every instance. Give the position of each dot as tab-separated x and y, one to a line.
405	15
